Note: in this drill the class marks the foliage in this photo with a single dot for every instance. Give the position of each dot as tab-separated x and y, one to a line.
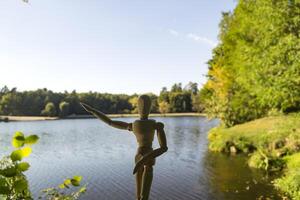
49	110
64	108
290	182
272	143
34	103
255	67
192	88
277	135
263	160
164	107
180	102
178	99
46	102
177	87
134	103
164	95
58	193
154	102
197	104
13	182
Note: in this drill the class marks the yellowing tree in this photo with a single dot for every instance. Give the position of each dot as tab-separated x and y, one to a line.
164	107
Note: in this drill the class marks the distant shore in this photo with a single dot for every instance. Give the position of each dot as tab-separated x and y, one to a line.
25	118
42	118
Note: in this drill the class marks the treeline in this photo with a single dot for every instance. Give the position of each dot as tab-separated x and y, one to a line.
255	69
44	102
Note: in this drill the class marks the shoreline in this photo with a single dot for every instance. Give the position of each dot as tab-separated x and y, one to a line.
6	118
271	144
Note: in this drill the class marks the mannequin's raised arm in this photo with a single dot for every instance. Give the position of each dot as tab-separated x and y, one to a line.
100	115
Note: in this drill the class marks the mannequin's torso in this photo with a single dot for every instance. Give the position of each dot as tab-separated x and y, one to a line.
144	131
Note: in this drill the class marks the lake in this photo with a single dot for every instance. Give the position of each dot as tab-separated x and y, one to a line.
104	156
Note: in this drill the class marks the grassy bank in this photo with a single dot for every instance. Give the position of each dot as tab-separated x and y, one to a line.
290	182
272	144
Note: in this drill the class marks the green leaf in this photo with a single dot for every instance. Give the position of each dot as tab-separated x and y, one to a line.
32	139
20	185
3	182
19	154
23	166
26	151
16	155
77	178
18	133
67	182
4	190
18	140
75	182
10	172
82	190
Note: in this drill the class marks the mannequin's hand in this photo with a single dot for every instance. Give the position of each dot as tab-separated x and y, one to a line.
87	107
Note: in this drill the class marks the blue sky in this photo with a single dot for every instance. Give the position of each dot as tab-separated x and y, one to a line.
115	46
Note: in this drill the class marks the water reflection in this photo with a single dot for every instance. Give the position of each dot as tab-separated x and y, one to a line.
104	156
231	178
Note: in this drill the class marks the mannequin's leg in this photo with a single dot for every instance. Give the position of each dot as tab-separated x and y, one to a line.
147	181
138	180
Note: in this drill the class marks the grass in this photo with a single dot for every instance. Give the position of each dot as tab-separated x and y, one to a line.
290	182
272	143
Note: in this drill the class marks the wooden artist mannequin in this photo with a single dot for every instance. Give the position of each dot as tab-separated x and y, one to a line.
143	130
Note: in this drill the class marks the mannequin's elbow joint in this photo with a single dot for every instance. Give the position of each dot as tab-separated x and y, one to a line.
165	149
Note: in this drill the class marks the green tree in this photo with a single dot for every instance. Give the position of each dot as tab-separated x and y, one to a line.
134	102
164	107
180	102
163	95
197	103
192	88
64	108
177	87
49	110
154	103
255	68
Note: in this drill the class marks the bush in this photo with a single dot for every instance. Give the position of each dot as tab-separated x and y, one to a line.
290	184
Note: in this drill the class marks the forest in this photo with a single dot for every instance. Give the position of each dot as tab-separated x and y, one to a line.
253	86
44	102
255	69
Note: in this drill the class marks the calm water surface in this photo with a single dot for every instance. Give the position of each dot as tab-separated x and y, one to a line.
104	157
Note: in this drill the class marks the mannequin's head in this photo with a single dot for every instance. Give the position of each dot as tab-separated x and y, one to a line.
144	106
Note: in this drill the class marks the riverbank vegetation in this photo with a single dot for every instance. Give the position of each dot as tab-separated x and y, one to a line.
44	102
290	183
272	144
253	87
